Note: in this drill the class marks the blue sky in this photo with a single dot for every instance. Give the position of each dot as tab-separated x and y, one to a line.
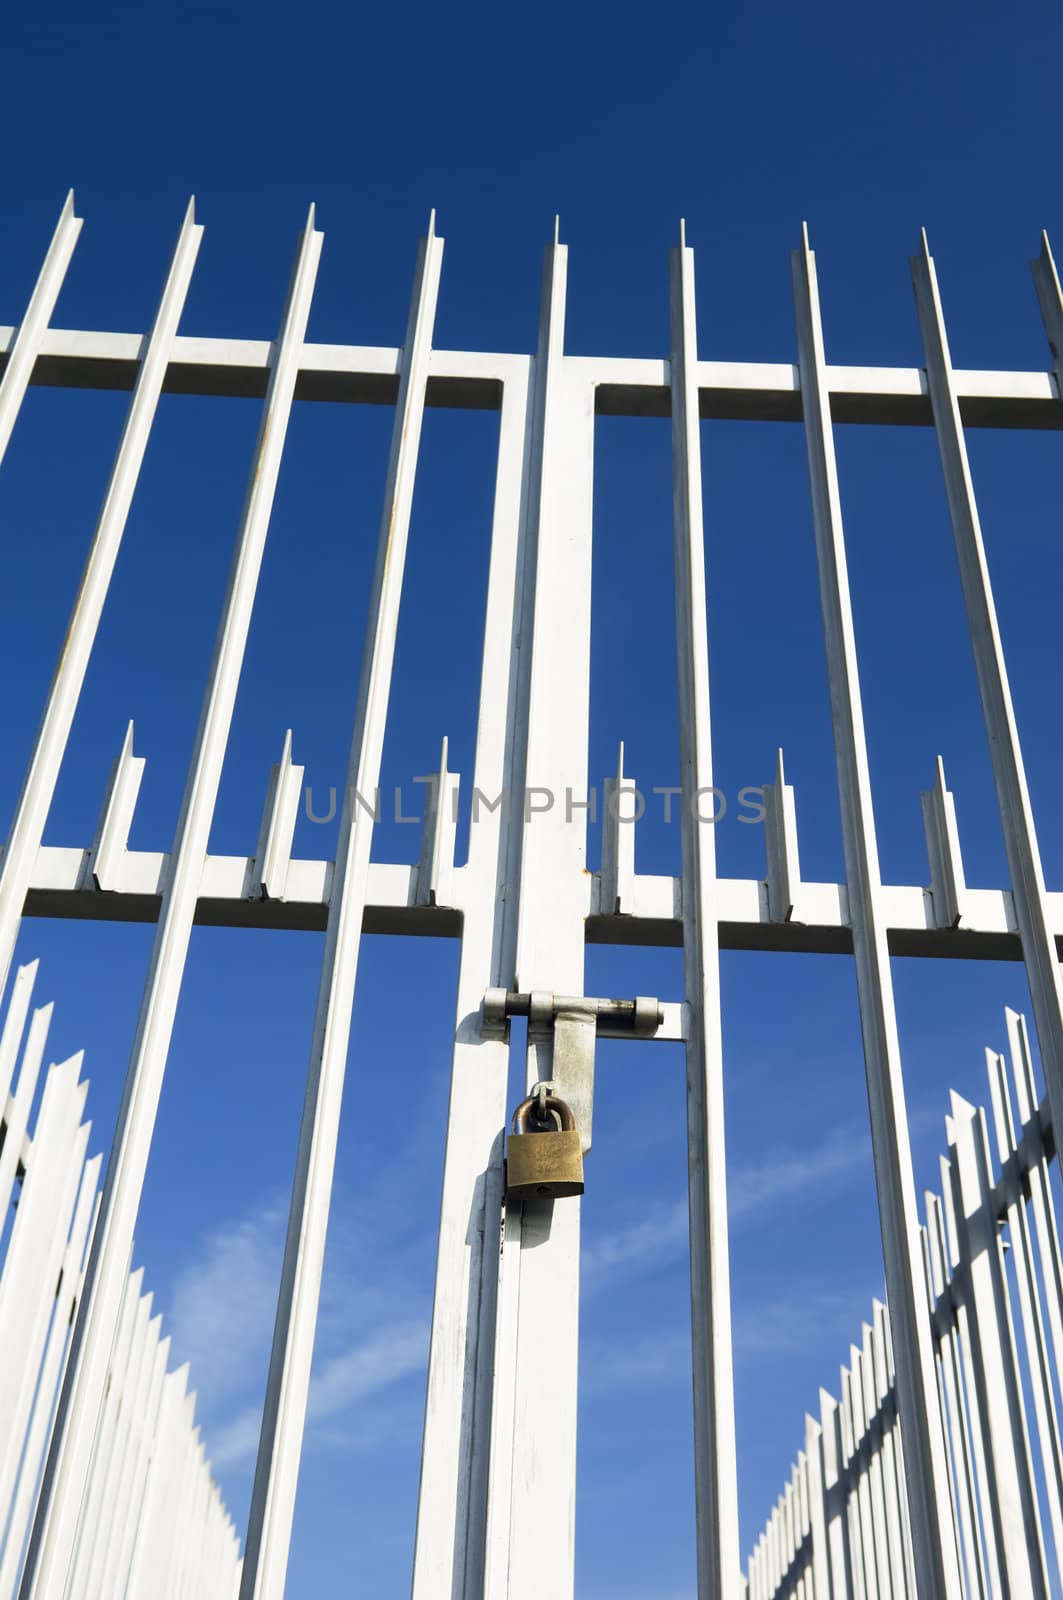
868	124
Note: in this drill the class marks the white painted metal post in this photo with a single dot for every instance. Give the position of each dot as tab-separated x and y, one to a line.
715	1458
35	1254
964	1474
1038	1361
936	1566
1005	750
452	1508
18	369
899	1539
284	1413
54	1532
51	1373
1013	1496
533	1464
1037	1178
35	801
817	1511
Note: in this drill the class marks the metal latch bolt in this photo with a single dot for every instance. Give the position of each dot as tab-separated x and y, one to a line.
572	1023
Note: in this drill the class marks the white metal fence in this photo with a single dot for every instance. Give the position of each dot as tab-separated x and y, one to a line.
994	1284
153	1521
499	1451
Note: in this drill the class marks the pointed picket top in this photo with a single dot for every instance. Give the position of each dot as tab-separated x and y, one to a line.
14	1026
948	883
1050	300
1022	1073
780	844
961	1108
438	833
268	876
431	224
106	858
1000	1104
1046	280
924	246
557	228
618	842
682	233
70	1067
31	331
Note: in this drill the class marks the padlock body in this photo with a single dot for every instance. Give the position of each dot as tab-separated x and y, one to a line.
549	1163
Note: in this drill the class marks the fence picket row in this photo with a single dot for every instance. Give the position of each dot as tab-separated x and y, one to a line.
136	1535
991	1256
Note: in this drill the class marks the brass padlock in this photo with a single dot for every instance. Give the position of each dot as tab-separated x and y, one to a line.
544	1160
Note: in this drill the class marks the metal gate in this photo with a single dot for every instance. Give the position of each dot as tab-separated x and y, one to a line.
499	1450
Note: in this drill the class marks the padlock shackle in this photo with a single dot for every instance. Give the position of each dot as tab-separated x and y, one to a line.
550	1102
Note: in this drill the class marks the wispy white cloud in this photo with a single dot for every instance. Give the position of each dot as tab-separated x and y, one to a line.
786	1325
800	1322
661	1357
778	1175
221	1316
373	1329
661	1235
341	1383
658	1237
372	1333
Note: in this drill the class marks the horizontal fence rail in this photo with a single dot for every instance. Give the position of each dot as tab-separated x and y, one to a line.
947	1515
154	1521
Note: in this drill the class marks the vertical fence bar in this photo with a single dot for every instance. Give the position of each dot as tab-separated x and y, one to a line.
1037	1178
964	1477
834	1495
35	1254
893	1488
1005	750
51	1375
1038	1355
114	1579
849	1488
18	1004
17	1120
973	1421
542	1271
884	1555
61	1495
817	1510
146	1567
715	1460
934	1548
859	1461
99	1499
1013	1495
31	814
18	369
287	1386
451	1515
